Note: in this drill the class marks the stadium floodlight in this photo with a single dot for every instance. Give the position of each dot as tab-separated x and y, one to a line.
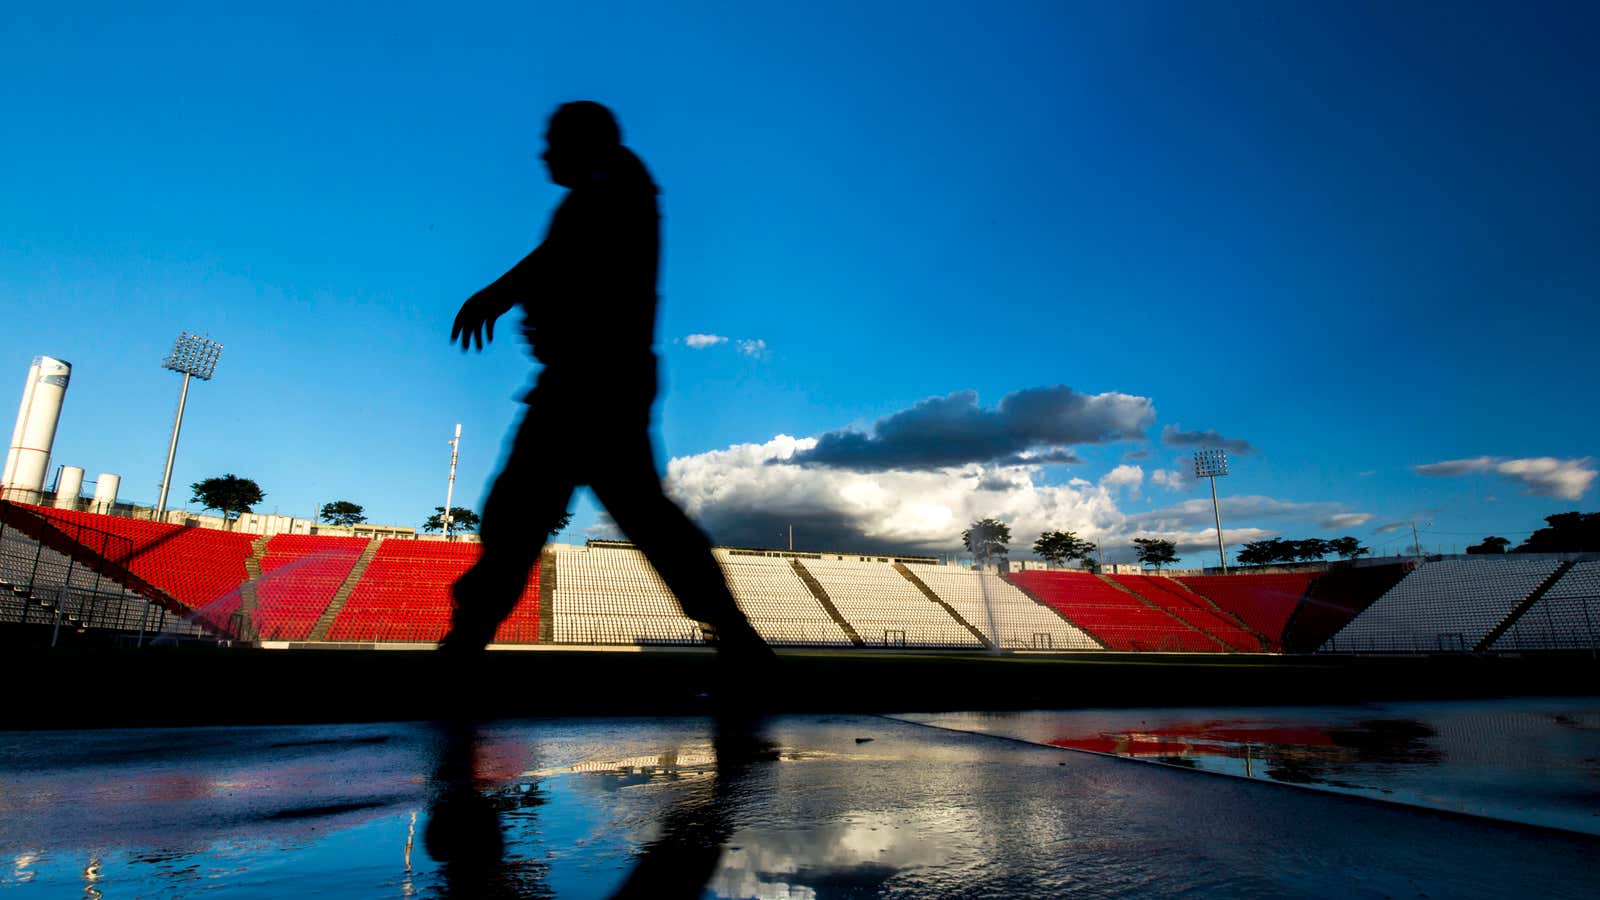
1211	463
192	356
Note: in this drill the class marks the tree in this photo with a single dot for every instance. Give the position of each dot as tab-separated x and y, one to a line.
1570	532
1311	549
227	494
464	519
1347	547
1259	553
986	539
1491	544
1060	546
343	512
1155	551
467	520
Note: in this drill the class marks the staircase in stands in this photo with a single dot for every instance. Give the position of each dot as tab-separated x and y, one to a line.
1267	643
815	587
1527	603
319	631
1221	645
928	592
248	601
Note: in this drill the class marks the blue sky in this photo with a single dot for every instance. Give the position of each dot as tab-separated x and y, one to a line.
1362	239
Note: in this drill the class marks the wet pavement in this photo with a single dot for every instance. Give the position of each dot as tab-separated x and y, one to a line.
783	808
1529	760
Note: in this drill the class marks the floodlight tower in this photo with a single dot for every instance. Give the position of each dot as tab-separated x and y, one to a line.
192	356
1210	464
449	492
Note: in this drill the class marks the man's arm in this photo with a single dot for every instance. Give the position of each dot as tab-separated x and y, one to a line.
478	314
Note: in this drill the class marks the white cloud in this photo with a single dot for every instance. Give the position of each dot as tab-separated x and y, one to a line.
702	341
1544	476
1171	479
1196	512
1125	475
755	347
742	498
1345	520
747	495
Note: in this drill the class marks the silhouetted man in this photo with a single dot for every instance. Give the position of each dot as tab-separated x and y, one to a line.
589	292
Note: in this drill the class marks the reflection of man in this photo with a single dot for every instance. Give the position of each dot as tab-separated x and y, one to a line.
589	292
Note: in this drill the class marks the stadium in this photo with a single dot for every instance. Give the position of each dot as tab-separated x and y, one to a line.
1325	675
1015	450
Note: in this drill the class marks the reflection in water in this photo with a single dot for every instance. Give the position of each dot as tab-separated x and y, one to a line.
851	806
466	835
1294	753
1532	761
681	860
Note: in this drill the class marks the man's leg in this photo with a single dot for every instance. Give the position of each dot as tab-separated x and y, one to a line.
627	484
527	501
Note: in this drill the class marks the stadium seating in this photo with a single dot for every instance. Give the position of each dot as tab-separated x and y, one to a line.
1178	600
199	567
404	596
1264	602
1449	604
1018	622
884	608
777	602
1567	617
1334	598
610	595
1113	617
299	575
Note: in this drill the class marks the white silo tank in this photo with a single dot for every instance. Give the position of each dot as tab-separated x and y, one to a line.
28	457
68	487
105	491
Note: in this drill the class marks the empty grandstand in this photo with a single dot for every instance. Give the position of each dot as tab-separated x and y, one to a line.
778	603
1262	602
1194	611
198	567
885	608
1115	616
1445	605
94	572
607	595
299	577
404	596
43	583
1566	617
1010	618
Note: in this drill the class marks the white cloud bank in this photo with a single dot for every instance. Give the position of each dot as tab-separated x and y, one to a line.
1544	476
749	494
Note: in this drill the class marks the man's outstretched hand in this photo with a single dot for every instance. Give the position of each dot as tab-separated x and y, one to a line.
475	322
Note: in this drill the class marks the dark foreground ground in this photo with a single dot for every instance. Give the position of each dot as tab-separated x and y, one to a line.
103	687
779	808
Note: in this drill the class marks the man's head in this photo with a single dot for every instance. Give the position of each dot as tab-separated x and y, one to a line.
582	138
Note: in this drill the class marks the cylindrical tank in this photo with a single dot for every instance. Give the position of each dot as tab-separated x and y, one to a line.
28	458
69	487
105	491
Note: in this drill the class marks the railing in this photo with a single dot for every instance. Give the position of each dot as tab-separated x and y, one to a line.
41	585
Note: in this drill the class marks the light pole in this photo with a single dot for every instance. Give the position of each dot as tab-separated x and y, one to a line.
450	490
192	356
1210	464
